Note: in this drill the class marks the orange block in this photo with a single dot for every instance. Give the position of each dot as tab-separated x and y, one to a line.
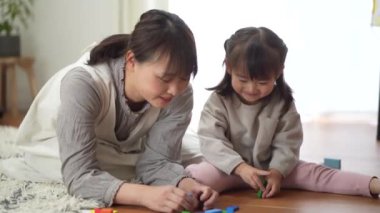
105	210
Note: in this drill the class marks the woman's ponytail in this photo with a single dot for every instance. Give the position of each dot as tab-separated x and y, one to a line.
110	48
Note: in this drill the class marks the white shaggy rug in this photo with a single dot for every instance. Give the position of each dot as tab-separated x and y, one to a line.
26	196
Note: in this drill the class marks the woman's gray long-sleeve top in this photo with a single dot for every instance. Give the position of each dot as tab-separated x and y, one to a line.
159	161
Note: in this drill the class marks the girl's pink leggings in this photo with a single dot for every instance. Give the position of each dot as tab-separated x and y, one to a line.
306	176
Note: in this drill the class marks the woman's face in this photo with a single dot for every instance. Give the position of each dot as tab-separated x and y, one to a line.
150	82
251	90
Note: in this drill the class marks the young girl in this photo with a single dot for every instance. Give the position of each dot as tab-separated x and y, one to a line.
250	128
122	107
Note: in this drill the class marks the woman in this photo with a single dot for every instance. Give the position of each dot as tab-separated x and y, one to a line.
121	108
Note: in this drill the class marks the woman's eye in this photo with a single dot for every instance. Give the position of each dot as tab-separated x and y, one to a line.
185	79
243	80
166	80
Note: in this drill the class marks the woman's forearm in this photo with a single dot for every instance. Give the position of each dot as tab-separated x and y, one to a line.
130	194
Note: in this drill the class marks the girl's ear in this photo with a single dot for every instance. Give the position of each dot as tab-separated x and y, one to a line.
228	69
130	60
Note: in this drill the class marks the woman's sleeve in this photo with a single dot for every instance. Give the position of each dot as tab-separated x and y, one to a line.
216	147
160	162
80	105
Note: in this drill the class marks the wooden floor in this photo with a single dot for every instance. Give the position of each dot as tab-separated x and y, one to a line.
354	144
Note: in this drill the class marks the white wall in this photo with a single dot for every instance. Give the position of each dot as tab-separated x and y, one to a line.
61	29
333	62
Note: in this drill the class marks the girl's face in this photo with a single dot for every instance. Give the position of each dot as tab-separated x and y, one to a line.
250	91
150	82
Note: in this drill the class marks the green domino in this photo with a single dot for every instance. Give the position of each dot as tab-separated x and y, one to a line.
260	193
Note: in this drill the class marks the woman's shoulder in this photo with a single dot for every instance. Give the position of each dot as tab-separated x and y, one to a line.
186	94
78	81
182	103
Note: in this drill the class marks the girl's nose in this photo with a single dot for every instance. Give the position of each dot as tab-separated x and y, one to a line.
252	87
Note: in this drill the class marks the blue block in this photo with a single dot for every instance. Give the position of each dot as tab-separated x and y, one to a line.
332	163
232	209
214	211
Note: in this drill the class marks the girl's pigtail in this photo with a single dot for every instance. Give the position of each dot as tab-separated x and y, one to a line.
285	91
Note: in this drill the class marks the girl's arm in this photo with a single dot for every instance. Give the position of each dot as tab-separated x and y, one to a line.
213	130
287	142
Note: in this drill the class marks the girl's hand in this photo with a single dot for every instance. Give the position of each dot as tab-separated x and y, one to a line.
274	180
167	199
202	193
250	175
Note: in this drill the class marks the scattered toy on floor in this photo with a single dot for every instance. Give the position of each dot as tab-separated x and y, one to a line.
260	193
332	163
232	209
229	209
100	210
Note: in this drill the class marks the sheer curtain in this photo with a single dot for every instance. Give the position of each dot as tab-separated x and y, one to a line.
131	10
333	61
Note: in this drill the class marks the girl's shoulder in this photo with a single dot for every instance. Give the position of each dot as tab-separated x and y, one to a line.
217	99
222	103
276	105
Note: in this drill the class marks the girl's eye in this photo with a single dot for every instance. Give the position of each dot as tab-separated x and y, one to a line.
243	80
263	82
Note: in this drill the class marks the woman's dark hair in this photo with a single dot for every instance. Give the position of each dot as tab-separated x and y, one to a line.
258	52
158	33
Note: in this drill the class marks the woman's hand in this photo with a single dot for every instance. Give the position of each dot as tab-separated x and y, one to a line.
157	198
251	175
168	199
202	193
274	180
207	196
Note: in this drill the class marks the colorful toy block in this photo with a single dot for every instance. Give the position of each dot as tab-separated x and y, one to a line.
232	209
332	163
260	193
100	210
214	211
229	209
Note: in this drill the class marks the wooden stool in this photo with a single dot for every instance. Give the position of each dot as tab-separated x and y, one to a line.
8	64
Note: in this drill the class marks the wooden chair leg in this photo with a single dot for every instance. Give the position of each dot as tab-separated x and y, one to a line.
3	91
14	91
27	65
32	81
